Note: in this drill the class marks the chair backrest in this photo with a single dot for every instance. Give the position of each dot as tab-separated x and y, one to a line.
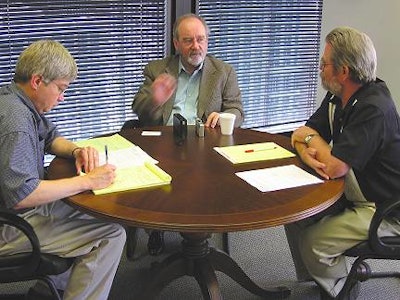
375	247
32	264
134	123
385	246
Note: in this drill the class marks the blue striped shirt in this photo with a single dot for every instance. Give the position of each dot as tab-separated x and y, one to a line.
187	94
25	135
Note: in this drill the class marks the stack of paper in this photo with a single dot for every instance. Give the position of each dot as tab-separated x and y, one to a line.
253	152
135	168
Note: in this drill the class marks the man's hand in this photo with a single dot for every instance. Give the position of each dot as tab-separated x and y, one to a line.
162	88
212	120
101	177
300	133
86	158
309	157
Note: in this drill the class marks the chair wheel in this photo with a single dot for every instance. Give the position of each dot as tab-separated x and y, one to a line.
363	271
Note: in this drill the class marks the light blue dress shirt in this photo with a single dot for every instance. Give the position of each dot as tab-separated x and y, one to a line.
187	94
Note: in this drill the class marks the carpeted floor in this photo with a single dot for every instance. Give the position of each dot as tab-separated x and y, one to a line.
264	256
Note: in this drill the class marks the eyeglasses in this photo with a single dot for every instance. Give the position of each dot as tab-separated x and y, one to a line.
190	41
323	64
61	90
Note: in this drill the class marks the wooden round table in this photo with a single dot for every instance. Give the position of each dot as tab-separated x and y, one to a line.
204	197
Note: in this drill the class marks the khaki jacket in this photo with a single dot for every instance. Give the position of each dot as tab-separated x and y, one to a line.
219	91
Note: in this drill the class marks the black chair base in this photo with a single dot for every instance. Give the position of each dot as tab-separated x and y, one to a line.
361	271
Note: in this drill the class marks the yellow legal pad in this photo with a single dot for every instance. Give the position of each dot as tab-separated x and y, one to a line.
253	152
136	177
135	168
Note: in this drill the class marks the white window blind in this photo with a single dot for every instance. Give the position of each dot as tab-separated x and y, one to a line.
274	47
111	41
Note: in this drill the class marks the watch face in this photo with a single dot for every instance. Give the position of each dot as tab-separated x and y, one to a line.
308	138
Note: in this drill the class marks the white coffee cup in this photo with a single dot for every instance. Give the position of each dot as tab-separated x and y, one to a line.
227	122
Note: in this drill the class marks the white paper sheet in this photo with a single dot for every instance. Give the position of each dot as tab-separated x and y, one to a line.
272	179
125	158
151	133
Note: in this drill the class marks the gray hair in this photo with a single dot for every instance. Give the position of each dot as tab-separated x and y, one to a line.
188	16
47	58
354	49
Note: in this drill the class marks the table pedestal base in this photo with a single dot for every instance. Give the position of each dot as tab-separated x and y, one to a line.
197	259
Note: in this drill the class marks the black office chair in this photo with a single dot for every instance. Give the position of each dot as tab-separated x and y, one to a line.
129	124
374	248
131	240
33	265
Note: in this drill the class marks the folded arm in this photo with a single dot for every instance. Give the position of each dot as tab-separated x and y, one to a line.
317	154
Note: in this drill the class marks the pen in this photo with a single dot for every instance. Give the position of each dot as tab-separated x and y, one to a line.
257	150
106	151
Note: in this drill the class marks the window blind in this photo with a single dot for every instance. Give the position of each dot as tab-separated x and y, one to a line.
111	41
274	47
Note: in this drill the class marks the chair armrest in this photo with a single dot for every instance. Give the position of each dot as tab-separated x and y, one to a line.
10	218
384	245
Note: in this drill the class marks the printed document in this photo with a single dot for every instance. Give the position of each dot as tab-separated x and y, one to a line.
121	152
277	178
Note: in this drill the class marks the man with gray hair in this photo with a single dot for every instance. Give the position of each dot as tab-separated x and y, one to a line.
192	83
354	134
43	72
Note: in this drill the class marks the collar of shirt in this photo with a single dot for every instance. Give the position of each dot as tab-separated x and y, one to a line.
23	97
26	101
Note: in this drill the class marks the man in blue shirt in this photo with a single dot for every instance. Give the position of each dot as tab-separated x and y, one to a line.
191	83
43	72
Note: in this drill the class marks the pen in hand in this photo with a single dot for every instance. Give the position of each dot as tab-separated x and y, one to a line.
106	152
258	150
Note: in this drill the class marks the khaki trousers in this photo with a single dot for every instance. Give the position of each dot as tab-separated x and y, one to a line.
320	246
62	230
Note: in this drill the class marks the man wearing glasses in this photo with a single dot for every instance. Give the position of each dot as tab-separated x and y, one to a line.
191	83
354	134
43	72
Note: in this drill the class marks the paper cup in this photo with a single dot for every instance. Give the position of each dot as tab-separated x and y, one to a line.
227	122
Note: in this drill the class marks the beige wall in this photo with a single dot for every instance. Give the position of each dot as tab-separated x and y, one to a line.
381	21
